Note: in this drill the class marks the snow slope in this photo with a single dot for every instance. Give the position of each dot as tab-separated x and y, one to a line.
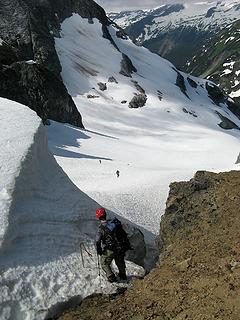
168	139
48	227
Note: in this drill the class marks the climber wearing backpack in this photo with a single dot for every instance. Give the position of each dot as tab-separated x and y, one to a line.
112	243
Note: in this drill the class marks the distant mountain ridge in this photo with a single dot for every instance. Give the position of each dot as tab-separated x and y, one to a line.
178	31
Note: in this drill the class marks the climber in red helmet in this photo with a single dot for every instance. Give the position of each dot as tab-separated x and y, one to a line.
112	243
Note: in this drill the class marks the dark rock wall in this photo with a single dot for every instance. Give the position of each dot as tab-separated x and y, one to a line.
28	28
41	90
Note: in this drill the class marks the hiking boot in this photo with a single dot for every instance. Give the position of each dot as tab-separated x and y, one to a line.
122	276
112	278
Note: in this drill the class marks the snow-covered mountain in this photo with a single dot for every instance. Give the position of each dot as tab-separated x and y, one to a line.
177	31
144	118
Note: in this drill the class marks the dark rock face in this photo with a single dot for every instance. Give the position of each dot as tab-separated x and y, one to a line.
28	28
218	96
180	82
215	93
40	89
7	54
192	82
127	68
226	123
234	106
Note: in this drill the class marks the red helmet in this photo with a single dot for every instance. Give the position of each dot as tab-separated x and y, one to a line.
100	213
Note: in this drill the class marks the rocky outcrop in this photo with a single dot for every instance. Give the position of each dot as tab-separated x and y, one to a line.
234	106
127	67
226	123
102	86
198	275
180	82
112	80
215	93
218	96
138	101
138	87
27	31
192	82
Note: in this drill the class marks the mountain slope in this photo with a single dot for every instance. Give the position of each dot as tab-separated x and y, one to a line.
177	32
176	122
219	60
144	118
120	73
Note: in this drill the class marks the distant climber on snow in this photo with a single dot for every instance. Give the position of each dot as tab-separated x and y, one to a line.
117	173
112	243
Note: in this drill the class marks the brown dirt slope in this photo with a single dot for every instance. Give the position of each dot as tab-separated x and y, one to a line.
198	277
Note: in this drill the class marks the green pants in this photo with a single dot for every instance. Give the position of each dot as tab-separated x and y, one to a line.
106	259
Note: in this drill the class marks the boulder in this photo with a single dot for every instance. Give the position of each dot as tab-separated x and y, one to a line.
136	238
138	101
102	86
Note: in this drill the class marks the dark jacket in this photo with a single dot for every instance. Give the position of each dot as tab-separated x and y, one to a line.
116	240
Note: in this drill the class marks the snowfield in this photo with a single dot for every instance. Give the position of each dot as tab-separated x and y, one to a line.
150	146
48	225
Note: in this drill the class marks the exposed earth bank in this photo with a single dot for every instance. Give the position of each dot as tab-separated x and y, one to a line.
198	276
